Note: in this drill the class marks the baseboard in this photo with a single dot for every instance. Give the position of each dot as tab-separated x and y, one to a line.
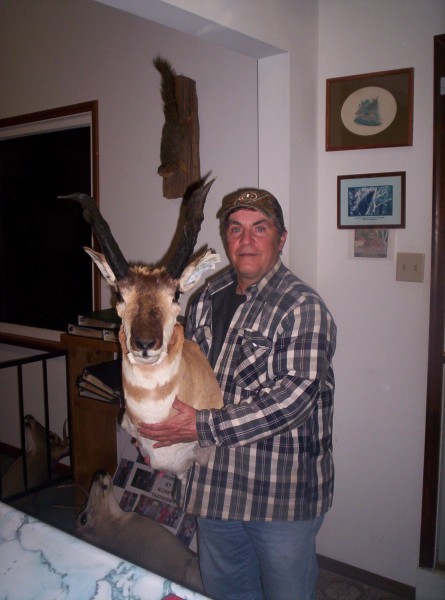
367	578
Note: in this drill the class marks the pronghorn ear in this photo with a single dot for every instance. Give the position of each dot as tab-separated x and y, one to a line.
193	271
102	265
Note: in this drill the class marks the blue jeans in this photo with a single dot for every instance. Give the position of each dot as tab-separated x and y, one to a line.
255	560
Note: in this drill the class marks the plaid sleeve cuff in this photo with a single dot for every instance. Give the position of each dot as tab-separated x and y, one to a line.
204	428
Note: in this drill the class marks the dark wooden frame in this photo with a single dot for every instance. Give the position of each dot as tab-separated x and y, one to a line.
431	474
371	222
90	107
399	83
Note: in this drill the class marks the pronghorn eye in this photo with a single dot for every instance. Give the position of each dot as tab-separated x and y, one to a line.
177	295
119	296
83	519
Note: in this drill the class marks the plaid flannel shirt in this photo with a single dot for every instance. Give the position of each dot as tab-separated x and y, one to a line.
273	438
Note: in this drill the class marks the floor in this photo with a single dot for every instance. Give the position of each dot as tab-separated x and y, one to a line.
58	506
335	587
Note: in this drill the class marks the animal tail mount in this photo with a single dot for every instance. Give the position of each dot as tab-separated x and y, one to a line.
172	130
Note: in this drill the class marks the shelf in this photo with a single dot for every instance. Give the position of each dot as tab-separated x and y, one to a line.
92	422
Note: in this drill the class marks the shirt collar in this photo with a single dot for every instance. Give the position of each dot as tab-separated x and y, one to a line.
265	281
230	277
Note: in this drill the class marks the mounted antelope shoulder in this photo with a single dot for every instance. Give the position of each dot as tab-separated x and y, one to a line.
158	364
37	440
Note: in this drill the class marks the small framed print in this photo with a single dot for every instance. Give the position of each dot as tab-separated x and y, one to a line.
371	243
374	200
372	110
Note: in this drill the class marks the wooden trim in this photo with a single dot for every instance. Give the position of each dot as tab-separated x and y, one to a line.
367	578
29	342
94	108
427	558
51	113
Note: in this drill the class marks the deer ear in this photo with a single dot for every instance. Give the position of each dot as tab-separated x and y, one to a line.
193	271
102	265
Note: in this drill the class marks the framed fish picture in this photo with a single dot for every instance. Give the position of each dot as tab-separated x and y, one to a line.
372	110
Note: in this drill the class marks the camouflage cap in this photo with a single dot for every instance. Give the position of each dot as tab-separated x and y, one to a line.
253	199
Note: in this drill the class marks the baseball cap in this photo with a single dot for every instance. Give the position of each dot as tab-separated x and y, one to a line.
255	199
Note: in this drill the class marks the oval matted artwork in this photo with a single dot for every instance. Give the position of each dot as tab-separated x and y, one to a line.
368	111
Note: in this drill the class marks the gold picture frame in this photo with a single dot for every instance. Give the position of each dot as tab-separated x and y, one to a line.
371	110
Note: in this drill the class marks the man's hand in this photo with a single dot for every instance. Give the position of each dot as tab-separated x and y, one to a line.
180	428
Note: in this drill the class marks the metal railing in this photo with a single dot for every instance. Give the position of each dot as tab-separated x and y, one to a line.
52	478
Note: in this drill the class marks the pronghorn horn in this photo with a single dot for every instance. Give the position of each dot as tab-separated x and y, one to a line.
194	215
102	231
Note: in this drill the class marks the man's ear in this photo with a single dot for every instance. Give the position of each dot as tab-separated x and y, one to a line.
283	238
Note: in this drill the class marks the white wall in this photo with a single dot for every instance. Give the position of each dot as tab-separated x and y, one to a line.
82	50
383	324
283	36
59	52
381	363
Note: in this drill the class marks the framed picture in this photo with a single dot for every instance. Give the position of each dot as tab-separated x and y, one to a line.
373	110
375	200
371	243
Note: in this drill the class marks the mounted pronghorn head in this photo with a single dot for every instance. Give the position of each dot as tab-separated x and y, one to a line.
148	298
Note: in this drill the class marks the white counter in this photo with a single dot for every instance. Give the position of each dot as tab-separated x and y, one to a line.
40	562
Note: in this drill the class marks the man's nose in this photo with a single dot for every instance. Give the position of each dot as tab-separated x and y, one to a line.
246	236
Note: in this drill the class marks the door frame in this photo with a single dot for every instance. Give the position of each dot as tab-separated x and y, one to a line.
431	480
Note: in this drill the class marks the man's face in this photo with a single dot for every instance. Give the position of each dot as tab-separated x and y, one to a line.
253	245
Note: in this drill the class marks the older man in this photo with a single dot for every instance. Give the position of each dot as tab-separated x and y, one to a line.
270	339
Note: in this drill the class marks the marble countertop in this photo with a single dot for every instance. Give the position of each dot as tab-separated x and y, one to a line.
40	562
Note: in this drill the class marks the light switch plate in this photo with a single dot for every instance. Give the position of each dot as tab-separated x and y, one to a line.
410	266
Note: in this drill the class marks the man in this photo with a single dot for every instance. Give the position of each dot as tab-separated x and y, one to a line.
270	339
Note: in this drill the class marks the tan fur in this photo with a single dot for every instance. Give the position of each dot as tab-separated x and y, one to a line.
36	460
194	383
158	364
187	375
134	537
198	381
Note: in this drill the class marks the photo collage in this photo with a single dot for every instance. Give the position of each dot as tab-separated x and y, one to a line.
139	488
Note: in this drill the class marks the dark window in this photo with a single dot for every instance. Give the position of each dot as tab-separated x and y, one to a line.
45	276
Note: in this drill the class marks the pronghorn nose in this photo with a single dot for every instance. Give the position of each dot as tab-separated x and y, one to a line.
145	345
